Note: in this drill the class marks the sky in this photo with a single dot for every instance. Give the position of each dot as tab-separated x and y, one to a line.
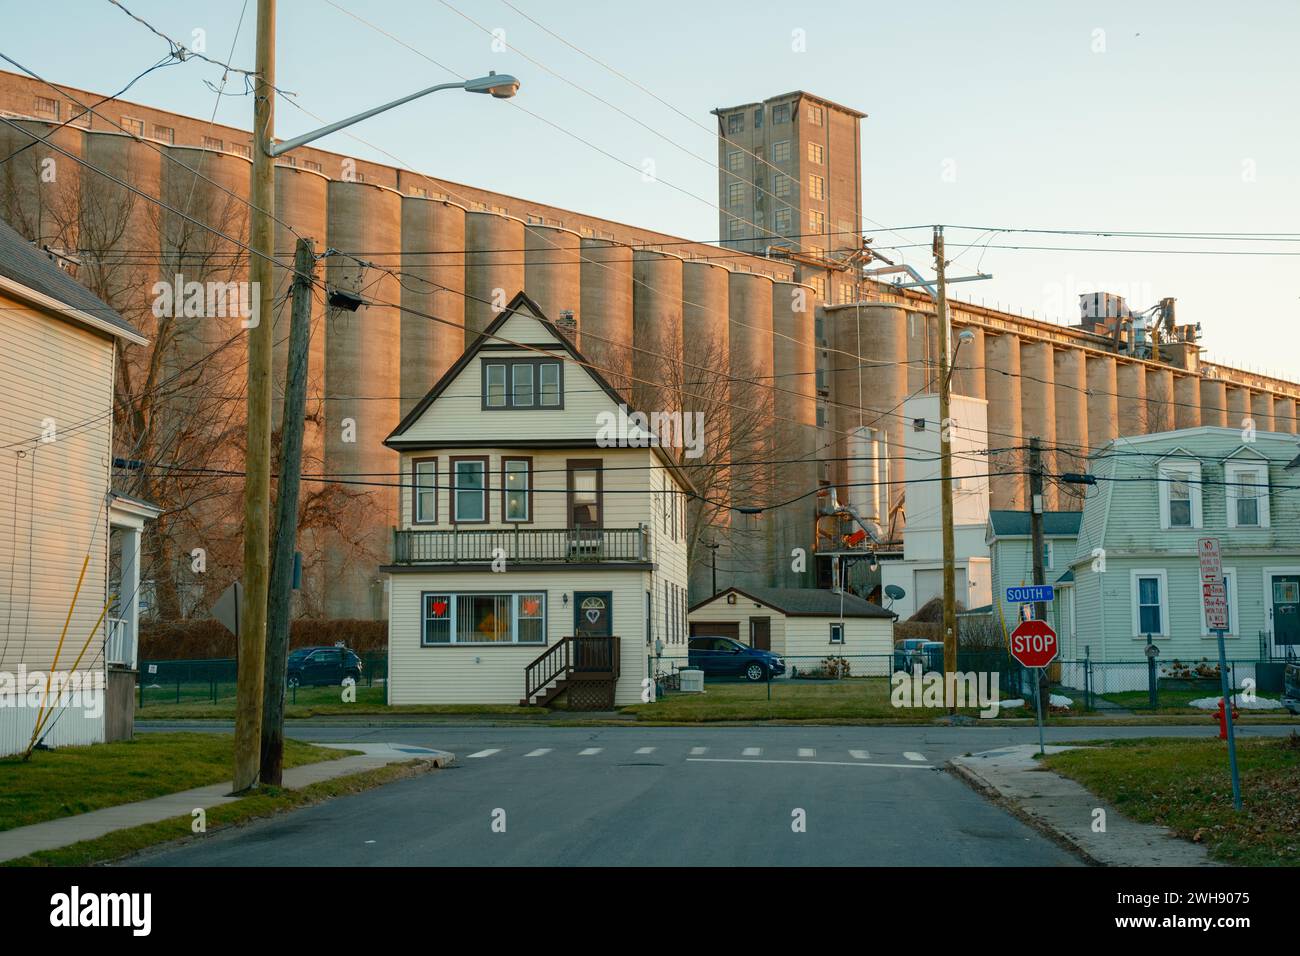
1100	116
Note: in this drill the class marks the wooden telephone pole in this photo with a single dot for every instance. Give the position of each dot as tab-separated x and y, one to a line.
257	457
945	465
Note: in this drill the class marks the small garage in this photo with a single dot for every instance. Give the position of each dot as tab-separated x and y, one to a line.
805	625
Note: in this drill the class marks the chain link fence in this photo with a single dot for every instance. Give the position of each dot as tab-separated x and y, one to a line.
213	680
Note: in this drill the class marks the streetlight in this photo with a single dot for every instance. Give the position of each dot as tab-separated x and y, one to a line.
500	85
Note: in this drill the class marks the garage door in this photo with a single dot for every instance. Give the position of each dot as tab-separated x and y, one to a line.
729	629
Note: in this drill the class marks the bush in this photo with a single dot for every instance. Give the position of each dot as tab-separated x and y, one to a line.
205	639
831	668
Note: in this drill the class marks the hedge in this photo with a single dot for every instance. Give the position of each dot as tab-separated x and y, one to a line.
208	638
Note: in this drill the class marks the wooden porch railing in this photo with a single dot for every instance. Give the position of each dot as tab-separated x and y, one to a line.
585	656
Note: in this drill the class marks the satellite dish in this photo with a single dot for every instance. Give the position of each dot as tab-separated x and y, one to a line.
894	592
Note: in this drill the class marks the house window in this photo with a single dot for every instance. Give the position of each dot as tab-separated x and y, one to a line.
1047	555
585	494
837	633
1150	604
484	618
781	113
533	383
46	108
815	153
736	123
425	490
133	126
1180	496
469	489
1246	491
165	134
516	489
781	151
735	160
816	187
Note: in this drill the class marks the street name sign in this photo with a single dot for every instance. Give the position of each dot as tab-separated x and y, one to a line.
1030	594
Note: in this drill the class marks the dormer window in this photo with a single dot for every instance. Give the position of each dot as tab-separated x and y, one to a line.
522	384
1180	494
1246	491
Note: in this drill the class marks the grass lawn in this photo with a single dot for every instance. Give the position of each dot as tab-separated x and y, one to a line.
71	780
327	701
866	698
1184	785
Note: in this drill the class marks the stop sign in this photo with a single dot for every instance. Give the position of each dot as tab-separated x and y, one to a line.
1033	643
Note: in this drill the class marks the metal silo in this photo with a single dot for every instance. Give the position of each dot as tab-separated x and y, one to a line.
432	251
494	267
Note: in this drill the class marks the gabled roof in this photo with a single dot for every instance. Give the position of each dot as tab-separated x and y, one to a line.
1242	451
1016	524
520	302
806	602
49	287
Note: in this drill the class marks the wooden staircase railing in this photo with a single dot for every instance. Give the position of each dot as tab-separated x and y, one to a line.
583	658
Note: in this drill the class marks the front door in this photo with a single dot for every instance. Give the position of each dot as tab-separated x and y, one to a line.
760	633
592	617
1286	614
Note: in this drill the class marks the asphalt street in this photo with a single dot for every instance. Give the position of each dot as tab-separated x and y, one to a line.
656	796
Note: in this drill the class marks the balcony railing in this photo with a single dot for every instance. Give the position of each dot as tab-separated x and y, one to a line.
523	545
117	644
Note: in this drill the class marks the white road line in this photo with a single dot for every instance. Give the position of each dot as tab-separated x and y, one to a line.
645	750
860	754
913	755
820	763
539	752
751	751
699	751
484	753
590	751
807	752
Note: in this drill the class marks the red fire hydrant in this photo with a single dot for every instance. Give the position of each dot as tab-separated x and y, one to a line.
1223	720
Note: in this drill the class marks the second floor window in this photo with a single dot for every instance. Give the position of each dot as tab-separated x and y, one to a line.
426	490
1180	495
585	495
469	491
1246	490
522	383
516	489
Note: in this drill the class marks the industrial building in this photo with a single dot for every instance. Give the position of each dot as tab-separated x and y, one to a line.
813	344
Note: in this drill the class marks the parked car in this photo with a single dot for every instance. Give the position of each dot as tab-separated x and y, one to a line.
1291	688
724	657
931	653
907	653
323	667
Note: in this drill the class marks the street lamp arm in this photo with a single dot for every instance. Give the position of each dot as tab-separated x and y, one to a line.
279	149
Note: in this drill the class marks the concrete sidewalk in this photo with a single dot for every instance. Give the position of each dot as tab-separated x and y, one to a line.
65	831
1064	810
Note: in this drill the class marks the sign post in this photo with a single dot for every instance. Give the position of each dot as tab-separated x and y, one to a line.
1214	595
1034	644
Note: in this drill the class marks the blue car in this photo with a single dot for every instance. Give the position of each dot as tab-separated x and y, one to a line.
723	657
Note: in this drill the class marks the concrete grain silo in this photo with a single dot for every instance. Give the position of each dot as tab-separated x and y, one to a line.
1131	383
1103	400
753	411
1284	414
40	189
1038	407
794	365
1214	402
1261	410
968	363
432	252
1238	406
494	267
606	333
1187	401
363	372
922	352
553	271
1160	415
1071	376
1002	384
657	367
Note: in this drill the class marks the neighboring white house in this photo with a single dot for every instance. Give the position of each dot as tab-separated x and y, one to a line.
535	556
1010	543
57	509
802	625
920	572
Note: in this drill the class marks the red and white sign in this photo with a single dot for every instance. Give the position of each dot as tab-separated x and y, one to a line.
1034	643
1214	596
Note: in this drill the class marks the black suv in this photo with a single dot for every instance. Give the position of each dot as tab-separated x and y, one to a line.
323	666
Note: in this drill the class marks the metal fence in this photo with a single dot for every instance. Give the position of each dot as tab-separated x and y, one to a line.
214	680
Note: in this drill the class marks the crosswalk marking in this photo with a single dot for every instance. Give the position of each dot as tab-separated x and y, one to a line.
590	751
485	753
807	752
913	755
751	751
699	751
860	754
539	752
645	750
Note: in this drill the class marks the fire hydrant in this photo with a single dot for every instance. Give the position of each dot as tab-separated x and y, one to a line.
1223	720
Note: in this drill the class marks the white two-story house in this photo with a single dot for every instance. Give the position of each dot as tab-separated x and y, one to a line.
536	560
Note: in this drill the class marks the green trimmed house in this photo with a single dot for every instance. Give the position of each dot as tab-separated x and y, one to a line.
1011	564
1136	571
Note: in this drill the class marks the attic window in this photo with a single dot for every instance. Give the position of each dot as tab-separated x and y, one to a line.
522	384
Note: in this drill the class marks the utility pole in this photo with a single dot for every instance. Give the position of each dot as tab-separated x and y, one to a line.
945	468
257	456
714	548
1036	534
278	608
